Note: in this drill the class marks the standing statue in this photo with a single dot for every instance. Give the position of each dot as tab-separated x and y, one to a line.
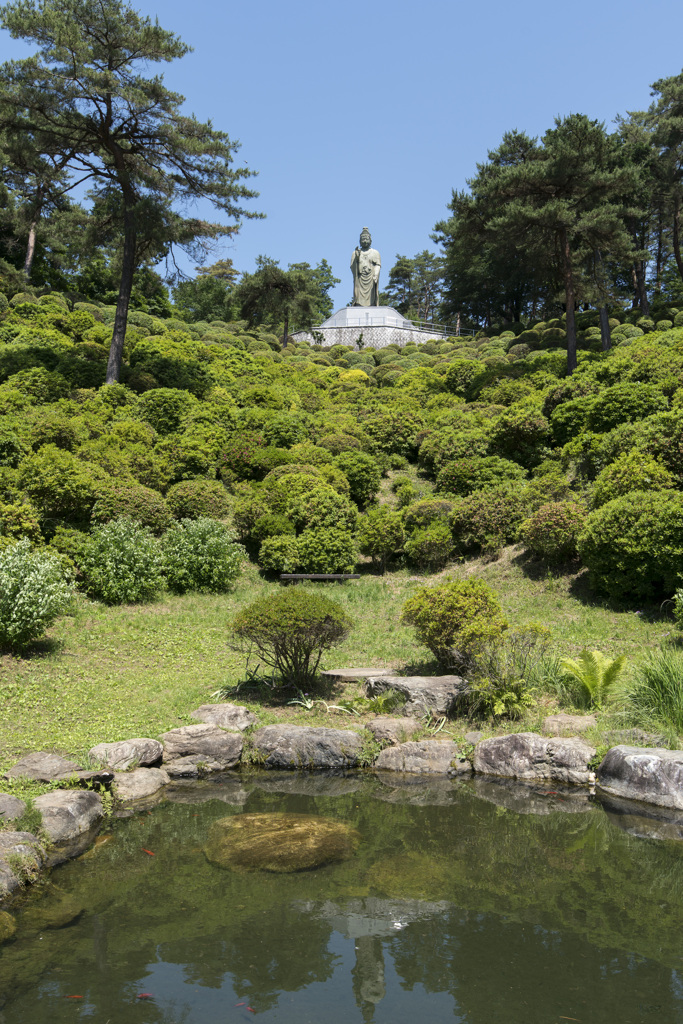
365	265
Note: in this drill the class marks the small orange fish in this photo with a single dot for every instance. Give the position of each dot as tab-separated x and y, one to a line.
250	1010
148	851
145	995
73	997
240	1004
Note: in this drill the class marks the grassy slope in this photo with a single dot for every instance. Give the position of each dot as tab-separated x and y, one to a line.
111	673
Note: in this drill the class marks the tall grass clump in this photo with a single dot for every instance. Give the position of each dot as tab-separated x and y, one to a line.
656	690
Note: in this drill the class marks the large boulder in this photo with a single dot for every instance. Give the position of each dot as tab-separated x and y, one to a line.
525	755
125	754
11	807
69	813
42	766
194	766
21	858
233	717
139	784
652	774
567	725
279	842
302	746
641	820
435	695
435	757
209	744
391	731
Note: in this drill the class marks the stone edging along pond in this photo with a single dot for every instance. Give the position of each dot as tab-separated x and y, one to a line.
137	770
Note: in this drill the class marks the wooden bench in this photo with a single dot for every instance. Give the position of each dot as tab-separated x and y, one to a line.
324	577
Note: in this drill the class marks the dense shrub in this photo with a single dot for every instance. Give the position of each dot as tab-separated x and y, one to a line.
462	476
201	555
238	455
445	445
17	520
322	508
380	534
195	499
633	545
165	408
272	525
71	543
430	546
290	632
34	590
552	531
422	513
279	554
633	471
58	484
624	403
327	550
363	474
488	519
40	384
521	434
455	620
393	432
123	563
464	376
125	498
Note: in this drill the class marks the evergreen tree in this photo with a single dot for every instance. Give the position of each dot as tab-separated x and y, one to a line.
297	298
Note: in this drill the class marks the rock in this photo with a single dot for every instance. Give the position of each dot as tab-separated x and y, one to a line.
355	673
11	807
567	725
303	746
418	790
653	775
128	753
68	813
279	842
194	766
473	737
220	748
525	755
227	716
393	730
438	757
635	737
188	791
531	798
21	858
45	767
139	784
8	926
323	783
55	913
434	695
642	821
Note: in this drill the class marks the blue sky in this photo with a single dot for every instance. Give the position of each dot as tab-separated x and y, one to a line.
370	113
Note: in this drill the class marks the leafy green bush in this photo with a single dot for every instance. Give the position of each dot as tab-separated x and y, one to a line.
429	547
633	545
17	520
201	498
59	485
521	434
40	384
165	408
72	543
238	456
421	514
635	470
624	403
363	474
488	519
290	632
553	529
462	476
464	376
322	508
455	621
34	590
380	534
125	498
272	525
279	554
201	555
123	563
327	550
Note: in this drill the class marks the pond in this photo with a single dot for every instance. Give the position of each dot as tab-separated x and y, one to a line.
457	905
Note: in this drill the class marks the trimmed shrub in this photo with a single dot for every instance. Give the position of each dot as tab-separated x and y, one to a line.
290	632
326	549
444	446
552	531
201	555
165	408
635	470
422	513
338	443
488	519
125	498
455	620
429	547
273	525
34	590
464	376
123	563
322	508
462	476
363	474
13	448
521	434
40	384
624	403
58	484
72	543
201	498
18	519
238	455
380	534
633	545
279	554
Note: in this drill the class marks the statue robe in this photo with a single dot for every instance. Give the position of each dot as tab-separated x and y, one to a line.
365	264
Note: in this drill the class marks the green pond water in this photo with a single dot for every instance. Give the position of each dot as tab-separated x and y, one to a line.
457	905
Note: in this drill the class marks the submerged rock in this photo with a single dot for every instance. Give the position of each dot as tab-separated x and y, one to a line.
279	842
52	913
8	926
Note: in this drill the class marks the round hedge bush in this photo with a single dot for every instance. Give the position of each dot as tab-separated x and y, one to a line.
430	546
279	554
200	498
201	555
552	531
488	519
420	514
635	470
462	476
125	498
272	525
380	534
363	474
123	563
326	549
633	545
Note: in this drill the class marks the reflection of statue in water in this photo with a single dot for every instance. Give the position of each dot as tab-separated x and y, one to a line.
365	264
368	975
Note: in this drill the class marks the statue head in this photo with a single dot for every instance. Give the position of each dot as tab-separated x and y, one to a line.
365	239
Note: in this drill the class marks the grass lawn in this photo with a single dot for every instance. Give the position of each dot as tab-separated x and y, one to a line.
106	674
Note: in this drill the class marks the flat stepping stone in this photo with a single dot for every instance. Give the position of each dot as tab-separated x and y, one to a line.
279	842
526	755
43	766
386	729
303	746
424	757
226	716
654	775
355	673
125	754
568	725
435	695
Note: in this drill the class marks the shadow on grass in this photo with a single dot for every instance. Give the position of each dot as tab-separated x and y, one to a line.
38	650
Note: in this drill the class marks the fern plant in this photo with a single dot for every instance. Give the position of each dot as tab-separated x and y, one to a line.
595	672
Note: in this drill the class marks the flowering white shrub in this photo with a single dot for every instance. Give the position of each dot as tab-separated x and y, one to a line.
123	563
35	588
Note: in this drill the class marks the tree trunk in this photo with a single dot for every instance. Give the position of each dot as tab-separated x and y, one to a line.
641	287
570	299
604	329
285	333
677	236
660	256
33	227
125	289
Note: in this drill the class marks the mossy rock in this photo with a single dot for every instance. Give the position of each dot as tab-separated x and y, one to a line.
8	926
59	912
279	842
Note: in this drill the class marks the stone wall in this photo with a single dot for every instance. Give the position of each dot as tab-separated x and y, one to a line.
373	337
